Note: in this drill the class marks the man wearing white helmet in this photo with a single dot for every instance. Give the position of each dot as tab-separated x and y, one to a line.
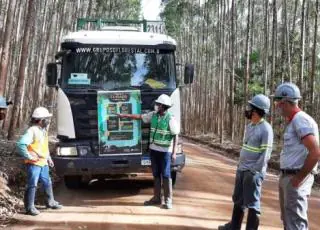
34	148
252	166
298	159
164	132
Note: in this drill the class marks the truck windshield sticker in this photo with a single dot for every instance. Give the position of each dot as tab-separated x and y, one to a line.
119	136
79	79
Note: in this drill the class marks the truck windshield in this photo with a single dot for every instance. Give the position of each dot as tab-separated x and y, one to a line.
115	68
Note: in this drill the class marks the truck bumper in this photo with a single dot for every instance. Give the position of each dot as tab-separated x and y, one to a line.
109	165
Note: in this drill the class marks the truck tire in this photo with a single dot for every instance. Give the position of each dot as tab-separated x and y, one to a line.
72	182
174	177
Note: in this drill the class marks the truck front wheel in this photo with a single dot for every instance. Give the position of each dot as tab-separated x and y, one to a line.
72	182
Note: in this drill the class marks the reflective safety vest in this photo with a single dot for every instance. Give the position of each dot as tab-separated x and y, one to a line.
39	146
160	133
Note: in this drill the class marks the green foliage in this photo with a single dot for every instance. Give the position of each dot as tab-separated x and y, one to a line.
172	16
130	9
175	11
255	83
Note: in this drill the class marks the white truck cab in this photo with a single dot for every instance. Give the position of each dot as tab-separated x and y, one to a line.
103	60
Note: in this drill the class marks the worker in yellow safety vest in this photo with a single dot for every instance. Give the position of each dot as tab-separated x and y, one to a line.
33	146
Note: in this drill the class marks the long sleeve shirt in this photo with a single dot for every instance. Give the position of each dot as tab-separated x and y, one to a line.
27	138
257	147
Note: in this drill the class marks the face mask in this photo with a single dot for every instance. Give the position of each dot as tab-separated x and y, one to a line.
248	114
45	123
156	108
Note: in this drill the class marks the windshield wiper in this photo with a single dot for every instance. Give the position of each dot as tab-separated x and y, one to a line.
143	87
88	89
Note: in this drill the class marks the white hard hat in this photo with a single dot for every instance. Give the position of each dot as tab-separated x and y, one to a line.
164	100
288	91
41	112
261	102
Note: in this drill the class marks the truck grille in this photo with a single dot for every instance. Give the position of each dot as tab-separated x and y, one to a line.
84	110
85	117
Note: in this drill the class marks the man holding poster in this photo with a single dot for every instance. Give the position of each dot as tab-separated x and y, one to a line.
164	132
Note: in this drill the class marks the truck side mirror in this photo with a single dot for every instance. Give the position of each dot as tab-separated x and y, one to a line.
51	75
188	73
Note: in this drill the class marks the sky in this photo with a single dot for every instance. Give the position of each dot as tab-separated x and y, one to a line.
151	9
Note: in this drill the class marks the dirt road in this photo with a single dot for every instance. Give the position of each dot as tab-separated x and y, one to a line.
202	200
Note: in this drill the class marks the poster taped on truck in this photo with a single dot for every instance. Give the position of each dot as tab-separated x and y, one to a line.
119	135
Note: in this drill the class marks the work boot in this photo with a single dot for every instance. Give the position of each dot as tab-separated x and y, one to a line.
227	226
33	211
252	219
156	199
236	220
167	188
50	202
29	198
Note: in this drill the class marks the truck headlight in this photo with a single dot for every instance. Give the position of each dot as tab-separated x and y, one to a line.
67	151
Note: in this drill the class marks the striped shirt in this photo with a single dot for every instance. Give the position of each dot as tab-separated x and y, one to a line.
257	147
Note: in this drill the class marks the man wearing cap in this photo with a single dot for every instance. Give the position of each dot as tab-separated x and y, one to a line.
298	159
252	166
164	132
33	146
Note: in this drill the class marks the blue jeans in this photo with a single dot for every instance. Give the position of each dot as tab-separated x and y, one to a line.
36	173
161	164
247	190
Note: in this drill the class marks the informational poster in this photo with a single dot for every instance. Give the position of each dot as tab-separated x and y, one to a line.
119	135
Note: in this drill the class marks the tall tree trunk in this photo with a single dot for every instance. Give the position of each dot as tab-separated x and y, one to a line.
314	51
266	45
21	76
293	25
287	38
231	107
6	46
89	13
222	72
247	69
302	44
274	53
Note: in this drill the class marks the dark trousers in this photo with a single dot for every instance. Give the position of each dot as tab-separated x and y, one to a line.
247	191
161	164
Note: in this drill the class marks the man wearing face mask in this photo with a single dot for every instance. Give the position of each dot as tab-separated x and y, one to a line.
298	159
252	166
164	132
33	146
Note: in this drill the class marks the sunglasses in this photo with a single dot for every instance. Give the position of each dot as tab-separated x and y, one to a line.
277	98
